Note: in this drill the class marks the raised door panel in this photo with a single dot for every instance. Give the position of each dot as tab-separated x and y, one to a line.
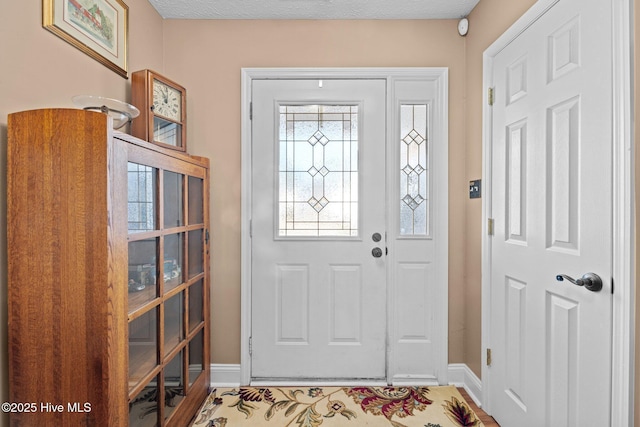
563	175
345	318
292	305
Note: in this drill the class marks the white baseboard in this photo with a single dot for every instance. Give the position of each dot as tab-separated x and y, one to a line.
228	375
225	375
461	376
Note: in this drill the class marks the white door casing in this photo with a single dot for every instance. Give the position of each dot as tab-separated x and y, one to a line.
552	138
415	329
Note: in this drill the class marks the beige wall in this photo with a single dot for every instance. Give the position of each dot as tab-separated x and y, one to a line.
39	70
215	130
207	56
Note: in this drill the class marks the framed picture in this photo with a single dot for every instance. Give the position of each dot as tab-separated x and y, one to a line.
96	27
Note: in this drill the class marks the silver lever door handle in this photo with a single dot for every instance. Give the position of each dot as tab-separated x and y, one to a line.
591	281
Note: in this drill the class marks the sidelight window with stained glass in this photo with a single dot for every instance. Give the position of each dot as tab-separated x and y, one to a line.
414	170
318	171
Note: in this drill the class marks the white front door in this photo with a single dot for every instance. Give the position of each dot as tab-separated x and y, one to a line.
318	229
552	209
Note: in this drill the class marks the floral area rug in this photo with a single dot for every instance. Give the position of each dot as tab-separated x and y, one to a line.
336	406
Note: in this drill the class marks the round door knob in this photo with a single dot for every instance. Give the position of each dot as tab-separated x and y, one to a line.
376	252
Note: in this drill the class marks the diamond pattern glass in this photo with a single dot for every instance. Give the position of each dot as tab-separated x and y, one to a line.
414	148
318	171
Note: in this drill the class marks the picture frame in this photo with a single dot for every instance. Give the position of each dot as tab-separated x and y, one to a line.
99	28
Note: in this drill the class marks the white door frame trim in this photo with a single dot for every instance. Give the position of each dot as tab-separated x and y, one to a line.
623	337
390	75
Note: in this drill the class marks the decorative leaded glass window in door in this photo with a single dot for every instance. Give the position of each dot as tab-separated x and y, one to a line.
414	173
318	171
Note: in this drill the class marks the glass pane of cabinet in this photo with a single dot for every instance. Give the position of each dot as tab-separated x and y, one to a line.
196	356
143	409
173	261
173	322
173	200
173	384
195	305
196	263
143	346
167	132
143	272
142	197
196	211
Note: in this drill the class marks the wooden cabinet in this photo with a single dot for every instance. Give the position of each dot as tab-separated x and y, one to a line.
108	243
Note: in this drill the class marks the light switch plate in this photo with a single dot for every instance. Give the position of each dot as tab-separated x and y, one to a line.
475	189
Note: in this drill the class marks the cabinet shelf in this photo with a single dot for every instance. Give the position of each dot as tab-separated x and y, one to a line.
140	298
142	361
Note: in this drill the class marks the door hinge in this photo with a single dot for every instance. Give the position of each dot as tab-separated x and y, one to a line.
490	226
251	111
250	228
488	357
250	346
490	96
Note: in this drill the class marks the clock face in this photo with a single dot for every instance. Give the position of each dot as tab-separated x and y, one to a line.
167	101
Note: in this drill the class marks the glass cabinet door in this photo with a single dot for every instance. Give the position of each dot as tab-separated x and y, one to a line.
167	254
197	242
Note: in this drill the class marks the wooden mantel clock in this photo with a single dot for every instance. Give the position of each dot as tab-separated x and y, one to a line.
163	110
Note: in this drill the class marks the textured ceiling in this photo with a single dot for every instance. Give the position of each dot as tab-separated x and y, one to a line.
313	9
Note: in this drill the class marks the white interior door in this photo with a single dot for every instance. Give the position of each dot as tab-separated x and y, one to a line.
318	200
552	209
